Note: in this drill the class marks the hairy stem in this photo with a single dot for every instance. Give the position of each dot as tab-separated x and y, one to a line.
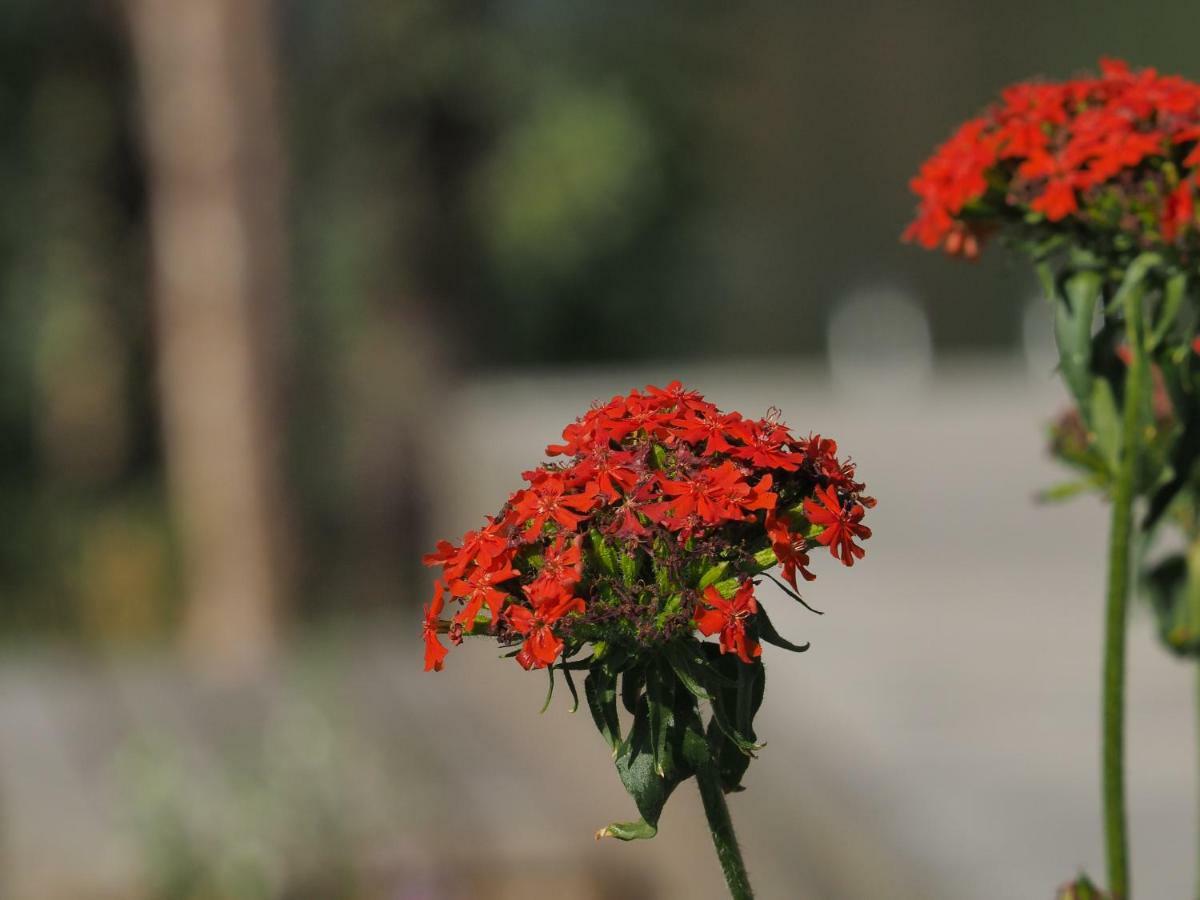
1115	825
721	826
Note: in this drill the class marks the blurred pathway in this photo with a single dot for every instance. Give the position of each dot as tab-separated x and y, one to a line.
936	742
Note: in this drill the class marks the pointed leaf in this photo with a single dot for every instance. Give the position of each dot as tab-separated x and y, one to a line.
549	690
1075	302
680	662
767	633
600	690
566	670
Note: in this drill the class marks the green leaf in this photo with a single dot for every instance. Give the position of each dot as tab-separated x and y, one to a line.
659	696
1105	423
725	701
632	682
680	658
1076	299
733	752
1173	588
652	764
787	590
641	830
566	670
767	632
1173	293
549	691
1067	490
600	689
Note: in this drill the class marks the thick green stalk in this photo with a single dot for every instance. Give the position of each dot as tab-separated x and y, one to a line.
721	826
1115	824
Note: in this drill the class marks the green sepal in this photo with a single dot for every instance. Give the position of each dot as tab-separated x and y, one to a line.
713	575
602	553
658	456
629	566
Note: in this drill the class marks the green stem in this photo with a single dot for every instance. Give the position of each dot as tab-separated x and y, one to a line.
1115	826
721	826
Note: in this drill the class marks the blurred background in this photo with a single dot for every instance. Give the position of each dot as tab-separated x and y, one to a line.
289	290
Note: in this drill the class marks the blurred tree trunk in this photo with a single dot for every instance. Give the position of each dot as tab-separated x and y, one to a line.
206	72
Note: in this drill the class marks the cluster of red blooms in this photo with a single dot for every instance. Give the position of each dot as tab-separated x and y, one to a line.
657	488
1117	153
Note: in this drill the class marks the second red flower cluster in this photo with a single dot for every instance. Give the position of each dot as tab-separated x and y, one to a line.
1117	153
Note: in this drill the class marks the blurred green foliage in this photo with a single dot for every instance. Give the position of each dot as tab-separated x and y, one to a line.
474	185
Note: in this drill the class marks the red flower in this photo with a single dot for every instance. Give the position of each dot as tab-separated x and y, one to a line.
562	567
789	549
677	397
712	495
1179	212
435	651
541	645
765	445
478	588
842	526
545	501
729	617
609	469
707	425
478	548
1057	200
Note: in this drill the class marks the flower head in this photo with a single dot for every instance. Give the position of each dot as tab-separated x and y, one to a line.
609	542
1105	159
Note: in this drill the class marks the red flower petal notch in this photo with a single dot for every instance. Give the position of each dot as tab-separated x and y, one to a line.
640	537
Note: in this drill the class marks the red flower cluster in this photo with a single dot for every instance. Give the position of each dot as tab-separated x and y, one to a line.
1119	153
658	489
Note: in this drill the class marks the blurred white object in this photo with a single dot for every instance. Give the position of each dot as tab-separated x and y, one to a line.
1037	337
880	342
